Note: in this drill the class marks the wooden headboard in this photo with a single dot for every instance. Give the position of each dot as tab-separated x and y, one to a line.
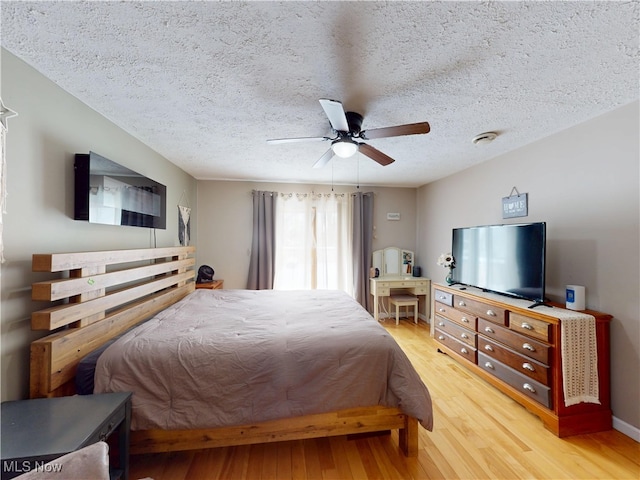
99	296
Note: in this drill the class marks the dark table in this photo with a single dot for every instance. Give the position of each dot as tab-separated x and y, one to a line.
37	431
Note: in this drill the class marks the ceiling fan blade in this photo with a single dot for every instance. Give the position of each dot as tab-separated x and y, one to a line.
275	141
397	131
375	154
324	159
335	114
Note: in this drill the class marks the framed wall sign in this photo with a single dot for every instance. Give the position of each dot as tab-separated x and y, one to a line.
515	205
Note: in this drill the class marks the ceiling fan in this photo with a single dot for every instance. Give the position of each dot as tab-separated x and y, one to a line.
346	133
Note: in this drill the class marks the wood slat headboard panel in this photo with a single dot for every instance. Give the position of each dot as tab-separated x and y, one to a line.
58	262
99	304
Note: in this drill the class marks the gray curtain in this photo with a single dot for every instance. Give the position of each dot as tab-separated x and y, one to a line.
261	266
362	245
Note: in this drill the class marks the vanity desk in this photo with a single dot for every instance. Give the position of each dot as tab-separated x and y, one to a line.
395	268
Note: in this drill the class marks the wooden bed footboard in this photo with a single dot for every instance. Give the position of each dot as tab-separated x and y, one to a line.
100	295
344	422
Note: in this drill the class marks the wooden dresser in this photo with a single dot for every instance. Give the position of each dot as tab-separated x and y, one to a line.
517	349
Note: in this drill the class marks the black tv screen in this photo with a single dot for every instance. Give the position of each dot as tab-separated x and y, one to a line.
108	193
506	259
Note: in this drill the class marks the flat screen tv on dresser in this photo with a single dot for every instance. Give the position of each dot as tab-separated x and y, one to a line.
505	259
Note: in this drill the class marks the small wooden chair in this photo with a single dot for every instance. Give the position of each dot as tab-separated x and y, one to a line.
404	301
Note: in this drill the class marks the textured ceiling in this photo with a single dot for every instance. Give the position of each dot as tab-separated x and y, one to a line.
205	84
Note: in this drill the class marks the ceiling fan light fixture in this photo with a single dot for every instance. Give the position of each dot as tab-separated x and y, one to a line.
484	138
344	148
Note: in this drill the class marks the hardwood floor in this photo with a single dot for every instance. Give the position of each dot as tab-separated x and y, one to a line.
479	433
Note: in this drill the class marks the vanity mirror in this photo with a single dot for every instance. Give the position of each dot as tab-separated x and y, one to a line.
393	262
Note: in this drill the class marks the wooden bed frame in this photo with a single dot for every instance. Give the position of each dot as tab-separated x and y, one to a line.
102	294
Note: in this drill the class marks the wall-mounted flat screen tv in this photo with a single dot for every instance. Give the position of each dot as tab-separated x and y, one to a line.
108	193
506	259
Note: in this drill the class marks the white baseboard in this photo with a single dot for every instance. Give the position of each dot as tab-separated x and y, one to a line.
626	429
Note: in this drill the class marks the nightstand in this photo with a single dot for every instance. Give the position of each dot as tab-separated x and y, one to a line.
215	285
39	430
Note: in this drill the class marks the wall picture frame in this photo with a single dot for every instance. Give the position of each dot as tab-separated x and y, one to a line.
516	205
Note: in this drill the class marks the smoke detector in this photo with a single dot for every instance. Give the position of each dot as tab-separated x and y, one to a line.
484	138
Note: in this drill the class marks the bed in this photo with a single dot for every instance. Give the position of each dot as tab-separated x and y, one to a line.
145	300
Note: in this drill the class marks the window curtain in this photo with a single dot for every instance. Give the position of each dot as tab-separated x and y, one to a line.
261	264
313	246
362	225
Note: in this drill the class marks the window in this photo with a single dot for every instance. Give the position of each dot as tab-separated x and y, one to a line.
313	242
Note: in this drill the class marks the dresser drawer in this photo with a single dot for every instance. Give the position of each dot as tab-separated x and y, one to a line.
466	351
530	326
445	298
420	290
458	316
406	283
462	334
483	310
525	365
515	341
520	382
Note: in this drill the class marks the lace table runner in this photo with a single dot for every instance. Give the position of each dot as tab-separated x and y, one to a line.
579	357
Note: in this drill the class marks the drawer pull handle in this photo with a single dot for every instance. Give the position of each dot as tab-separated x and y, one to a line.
528	366
488	348
441	337
464	335
461	303
441	324
464	350
526	326
491	313
441	310
489	365
442	297
526	386
465	319
489	330
528	346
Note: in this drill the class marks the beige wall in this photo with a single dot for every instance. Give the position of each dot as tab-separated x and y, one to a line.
50	128
225	220
584	182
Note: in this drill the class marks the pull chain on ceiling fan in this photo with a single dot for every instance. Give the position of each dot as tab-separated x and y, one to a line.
347	130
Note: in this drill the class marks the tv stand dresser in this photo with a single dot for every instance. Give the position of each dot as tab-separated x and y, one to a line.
517	349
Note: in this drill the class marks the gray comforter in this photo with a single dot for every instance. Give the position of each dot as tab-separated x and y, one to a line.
237	357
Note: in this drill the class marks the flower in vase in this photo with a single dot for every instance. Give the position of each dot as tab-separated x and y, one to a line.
446	260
